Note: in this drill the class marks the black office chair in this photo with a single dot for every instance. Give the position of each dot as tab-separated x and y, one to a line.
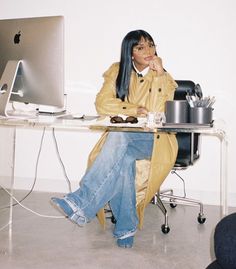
188	154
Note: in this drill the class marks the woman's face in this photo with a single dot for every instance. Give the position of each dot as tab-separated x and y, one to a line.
143	53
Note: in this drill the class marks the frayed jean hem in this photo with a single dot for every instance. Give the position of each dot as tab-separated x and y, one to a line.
78	215
125	235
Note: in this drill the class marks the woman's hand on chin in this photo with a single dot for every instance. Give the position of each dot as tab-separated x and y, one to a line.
156	65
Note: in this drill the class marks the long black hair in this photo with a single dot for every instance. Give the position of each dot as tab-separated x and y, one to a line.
123	79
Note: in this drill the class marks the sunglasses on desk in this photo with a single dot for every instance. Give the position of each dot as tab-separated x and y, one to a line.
118	119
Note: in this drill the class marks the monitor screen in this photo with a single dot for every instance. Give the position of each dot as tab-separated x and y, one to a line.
38	43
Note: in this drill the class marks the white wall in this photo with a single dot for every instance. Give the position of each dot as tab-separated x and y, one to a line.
196	40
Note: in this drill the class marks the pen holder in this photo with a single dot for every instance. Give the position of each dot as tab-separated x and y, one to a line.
201	115
177	111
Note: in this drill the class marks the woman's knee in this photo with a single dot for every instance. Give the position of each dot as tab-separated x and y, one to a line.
118	137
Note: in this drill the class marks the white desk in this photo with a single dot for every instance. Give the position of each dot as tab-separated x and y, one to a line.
50	122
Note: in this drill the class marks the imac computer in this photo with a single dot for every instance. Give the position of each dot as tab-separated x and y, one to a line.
32	62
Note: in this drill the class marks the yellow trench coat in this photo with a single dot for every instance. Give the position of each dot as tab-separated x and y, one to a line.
150	91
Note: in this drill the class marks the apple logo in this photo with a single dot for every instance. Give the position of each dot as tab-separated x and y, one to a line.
17	38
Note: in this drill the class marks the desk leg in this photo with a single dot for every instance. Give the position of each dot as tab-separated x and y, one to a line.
223	175
7	161
12	189
12	177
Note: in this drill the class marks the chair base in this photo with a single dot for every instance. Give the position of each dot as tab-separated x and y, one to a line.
167	196
156	200
109	214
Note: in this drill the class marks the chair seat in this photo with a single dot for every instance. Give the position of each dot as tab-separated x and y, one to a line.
185	161
182	163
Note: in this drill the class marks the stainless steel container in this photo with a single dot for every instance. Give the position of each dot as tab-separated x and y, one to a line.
201	115
177	111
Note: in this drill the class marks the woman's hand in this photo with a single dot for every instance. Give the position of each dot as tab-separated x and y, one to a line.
156	65
142	111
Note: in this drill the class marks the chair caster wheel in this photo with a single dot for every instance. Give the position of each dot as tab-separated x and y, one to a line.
172	205
201	219
165	229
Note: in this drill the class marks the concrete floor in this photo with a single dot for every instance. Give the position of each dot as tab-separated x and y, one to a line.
43	243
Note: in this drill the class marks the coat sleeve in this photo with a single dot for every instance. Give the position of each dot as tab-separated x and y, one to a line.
106	102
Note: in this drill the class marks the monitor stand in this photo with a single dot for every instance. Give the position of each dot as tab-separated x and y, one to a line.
6	85
6	90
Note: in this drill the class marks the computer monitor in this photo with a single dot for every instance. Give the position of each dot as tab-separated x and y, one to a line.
32	55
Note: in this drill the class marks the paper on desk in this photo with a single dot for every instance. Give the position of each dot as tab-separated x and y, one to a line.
77	116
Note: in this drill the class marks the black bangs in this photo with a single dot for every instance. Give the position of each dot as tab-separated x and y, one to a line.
143	34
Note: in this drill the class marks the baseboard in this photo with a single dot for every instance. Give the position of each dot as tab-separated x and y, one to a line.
61	186
207	197
42	184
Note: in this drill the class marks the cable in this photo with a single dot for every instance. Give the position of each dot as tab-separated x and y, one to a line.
36	166
35	179
28	209
36	172
62	164
3	227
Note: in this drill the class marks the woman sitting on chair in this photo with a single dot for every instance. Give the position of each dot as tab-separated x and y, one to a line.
133	87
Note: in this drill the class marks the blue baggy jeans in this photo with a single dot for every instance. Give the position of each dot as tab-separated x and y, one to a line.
111	179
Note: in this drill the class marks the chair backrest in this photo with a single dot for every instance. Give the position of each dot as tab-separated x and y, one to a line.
184	157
